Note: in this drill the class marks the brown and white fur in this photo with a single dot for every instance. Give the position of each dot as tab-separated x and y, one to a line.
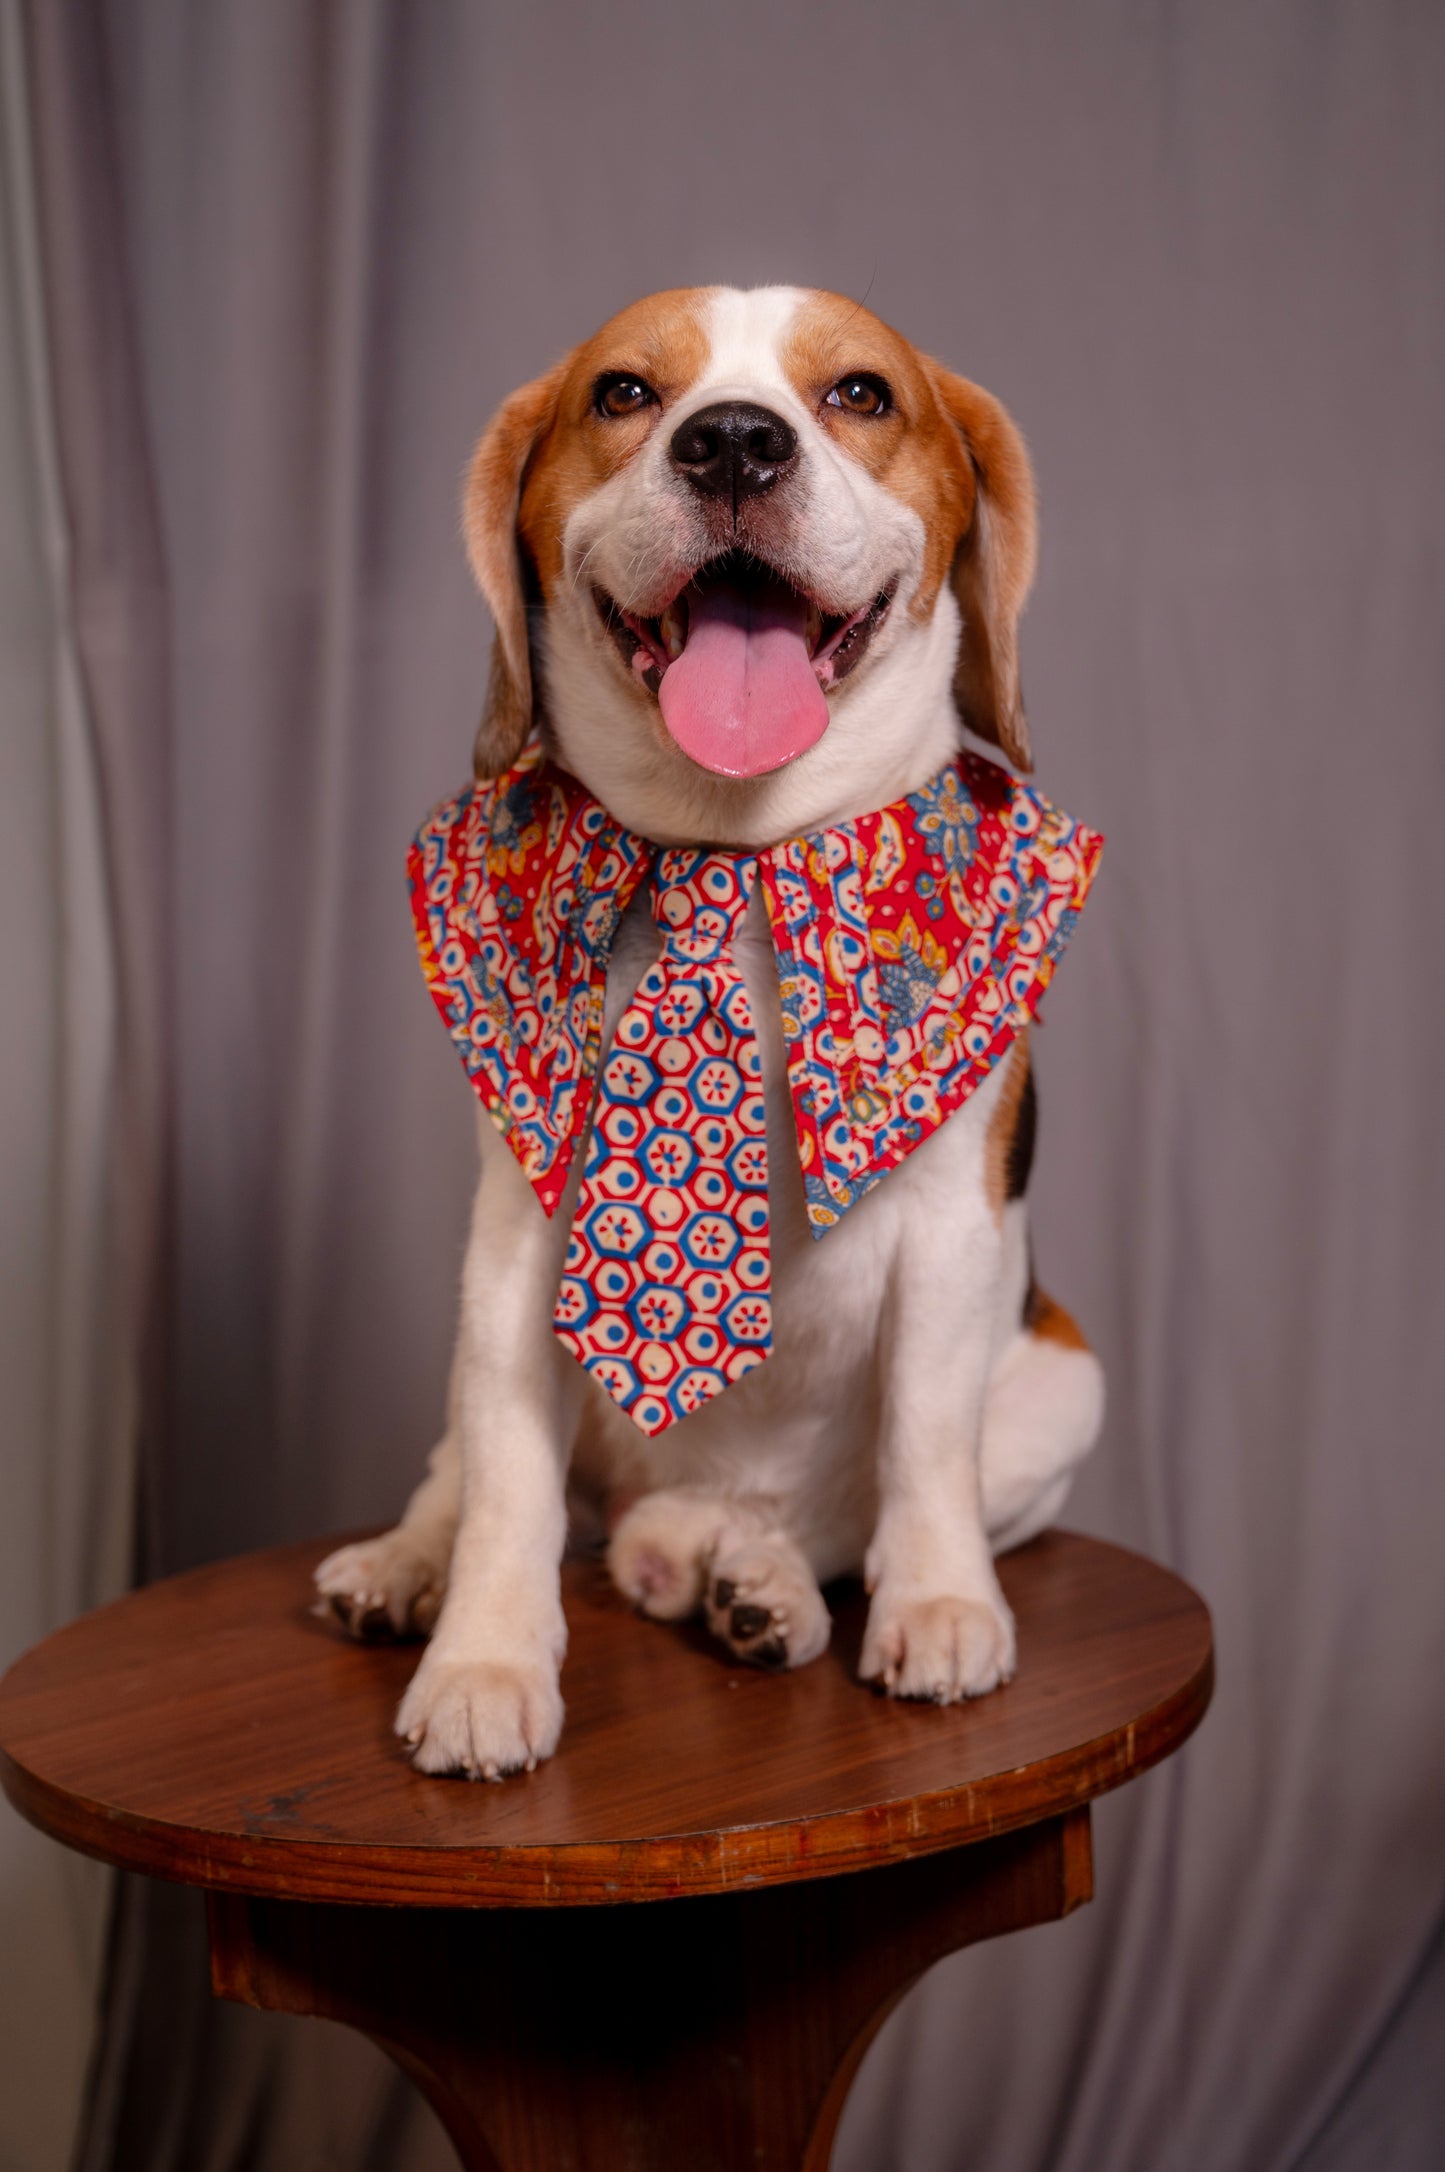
925	1405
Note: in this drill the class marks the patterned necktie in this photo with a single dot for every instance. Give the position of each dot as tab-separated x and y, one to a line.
666	1296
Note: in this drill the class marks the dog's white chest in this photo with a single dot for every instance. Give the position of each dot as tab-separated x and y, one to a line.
804	1423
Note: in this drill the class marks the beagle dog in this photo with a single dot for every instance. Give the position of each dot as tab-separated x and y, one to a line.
769	482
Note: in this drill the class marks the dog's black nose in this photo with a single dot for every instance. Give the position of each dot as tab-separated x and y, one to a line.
734	450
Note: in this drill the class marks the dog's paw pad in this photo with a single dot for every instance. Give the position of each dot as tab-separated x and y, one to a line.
752	1633
765	1606
772	1654
366	1620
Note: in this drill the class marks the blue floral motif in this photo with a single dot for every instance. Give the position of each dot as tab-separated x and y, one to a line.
1064	927
905	985
947	819
513	812
929	896
826	1206
592	923
1031	901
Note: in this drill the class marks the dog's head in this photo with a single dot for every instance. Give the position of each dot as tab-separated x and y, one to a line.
749	556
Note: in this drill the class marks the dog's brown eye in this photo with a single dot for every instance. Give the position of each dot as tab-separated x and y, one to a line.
860	394
618	395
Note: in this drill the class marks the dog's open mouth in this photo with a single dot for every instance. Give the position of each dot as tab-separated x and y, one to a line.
740	661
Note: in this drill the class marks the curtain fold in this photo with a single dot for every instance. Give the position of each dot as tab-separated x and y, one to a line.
68	1214
291	259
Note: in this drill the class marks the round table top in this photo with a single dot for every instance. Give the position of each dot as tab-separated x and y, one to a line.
210	1729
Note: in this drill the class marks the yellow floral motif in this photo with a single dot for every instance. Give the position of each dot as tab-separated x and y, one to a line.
514	825
511	858
909	940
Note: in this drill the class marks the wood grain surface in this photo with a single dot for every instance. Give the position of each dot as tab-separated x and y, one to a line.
208	1729
718	2034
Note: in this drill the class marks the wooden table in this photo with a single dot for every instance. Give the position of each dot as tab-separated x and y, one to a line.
645	1955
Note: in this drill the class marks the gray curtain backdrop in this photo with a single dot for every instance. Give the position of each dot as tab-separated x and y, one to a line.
76	1184
294	254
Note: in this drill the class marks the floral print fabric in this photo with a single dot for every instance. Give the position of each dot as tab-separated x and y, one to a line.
913	944
517	888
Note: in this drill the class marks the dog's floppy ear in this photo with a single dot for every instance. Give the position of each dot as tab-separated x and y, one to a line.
993	568
489	511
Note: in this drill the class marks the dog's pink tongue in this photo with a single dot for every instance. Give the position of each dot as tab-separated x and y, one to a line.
742	698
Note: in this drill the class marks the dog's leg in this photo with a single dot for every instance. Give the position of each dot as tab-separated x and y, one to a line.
485	1698
1042	1415
686	1547
393	1585
939	1626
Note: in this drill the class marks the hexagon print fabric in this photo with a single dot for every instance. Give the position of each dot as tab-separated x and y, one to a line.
666	1297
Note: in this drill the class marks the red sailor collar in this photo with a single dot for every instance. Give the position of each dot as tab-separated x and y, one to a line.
912	946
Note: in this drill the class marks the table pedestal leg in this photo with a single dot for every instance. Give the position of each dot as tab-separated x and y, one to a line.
715	2034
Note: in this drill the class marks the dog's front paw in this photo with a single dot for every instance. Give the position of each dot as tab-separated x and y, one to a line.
391	1586
944	1649
485	1718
